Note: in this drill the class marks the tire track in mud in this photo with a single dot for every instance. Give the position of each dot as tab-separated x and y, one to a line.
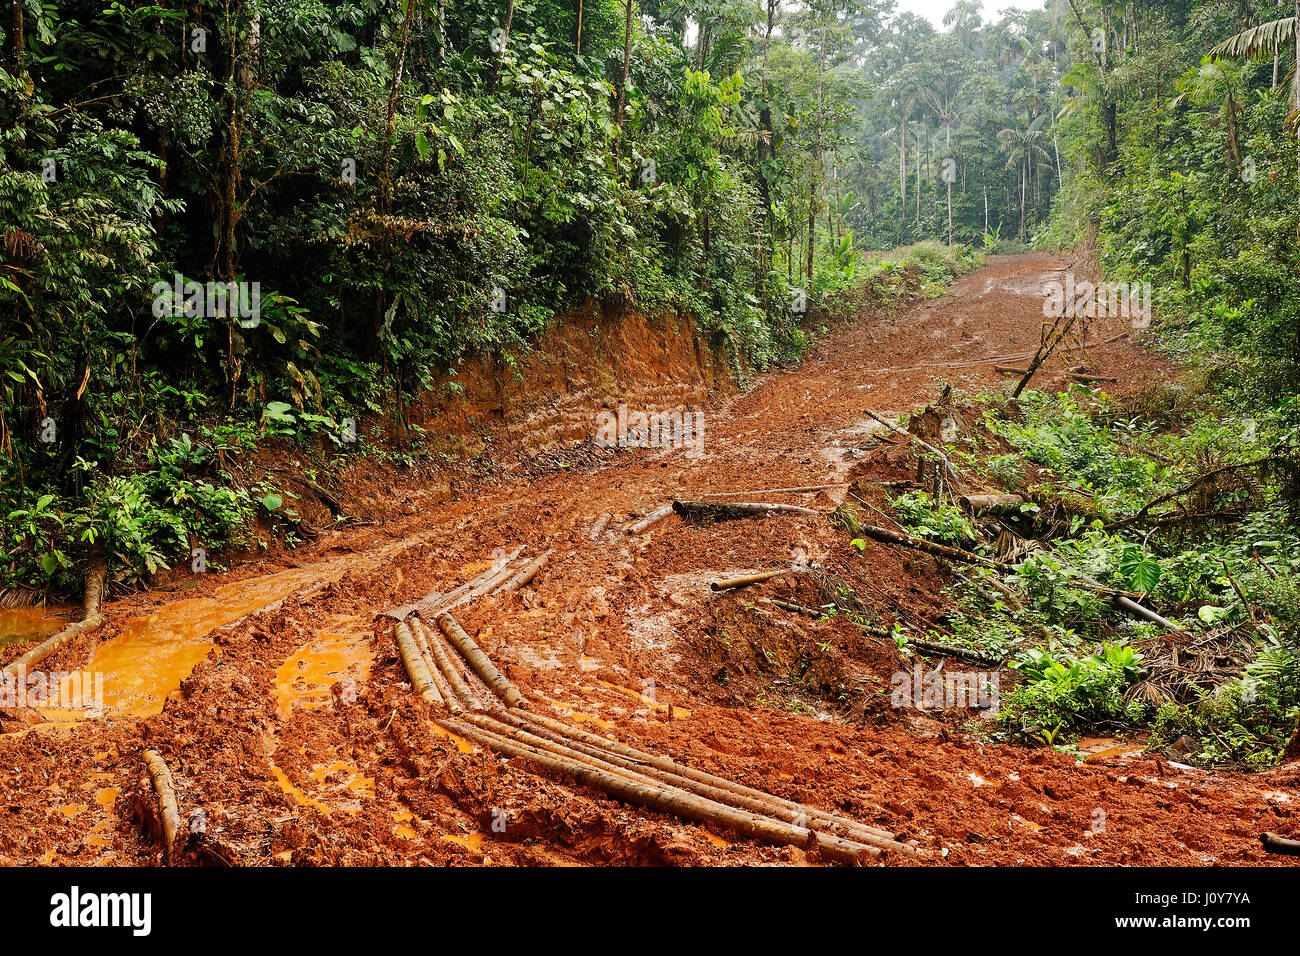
617	633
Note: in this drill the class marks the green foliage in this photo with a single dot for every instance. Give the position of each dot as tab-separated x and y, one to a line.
405	193
939	522
1073	693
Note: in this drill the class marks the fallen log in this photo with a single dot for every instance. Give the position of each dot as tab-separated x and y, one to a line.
990	504
416	669
524	575
663	763
168	811
775	491
701	511
434	601
947	650
959	556
1126	603
797	608
747	579
445	690
1054	338
482	665
668	800
994	585
336	509
764	806
1279	844
91	618
956	555
442	660
502	574
1091	379
653	518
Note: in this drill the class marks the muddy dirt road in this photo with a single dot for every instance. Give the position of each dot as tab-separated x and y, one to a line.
278	699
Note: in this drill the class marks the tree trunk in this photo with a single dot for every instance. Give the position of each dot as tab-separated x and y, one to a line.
228	174
918	189
385	179
1024	185
902	162
764	146
948	177
812	223
17	44
627	63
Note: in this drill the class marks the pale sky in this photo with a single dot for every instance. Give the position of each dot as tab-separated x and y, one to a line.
935	9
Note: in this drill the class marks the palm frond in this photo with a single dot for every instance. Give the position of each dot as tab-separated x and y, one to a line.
1267	38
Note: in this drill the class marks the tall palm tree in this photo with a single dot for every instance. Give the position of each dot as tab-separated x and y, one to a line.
1268	38
1213	83
965	19
1023	147
905	104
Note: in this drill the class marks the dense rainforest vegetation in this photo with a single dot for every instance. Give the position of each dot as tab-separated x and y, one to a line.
224	222
393	185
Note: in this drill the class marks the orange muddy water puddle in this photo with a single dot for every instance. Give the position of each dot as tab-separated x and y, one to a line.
580	718
353	783
404	820
470	841
155	652
463	745
288	787
668	710
20	624
306	677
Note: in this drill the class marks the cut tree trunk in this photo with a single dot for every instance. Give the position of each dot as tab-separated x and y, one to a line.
91	618
469	649
1277	844
416	669
168	811
747	579
990	504
703	511
650	520
524	575
956	555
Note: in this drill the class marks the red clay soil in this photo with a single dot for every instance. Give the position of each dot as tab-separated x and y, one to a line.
297	739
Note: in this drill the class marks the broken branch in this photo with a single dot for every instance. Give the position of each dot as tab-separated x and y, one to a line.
747	579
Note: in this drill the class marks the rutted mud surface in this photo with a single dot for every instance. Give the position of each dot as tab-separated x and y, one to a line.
296	739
